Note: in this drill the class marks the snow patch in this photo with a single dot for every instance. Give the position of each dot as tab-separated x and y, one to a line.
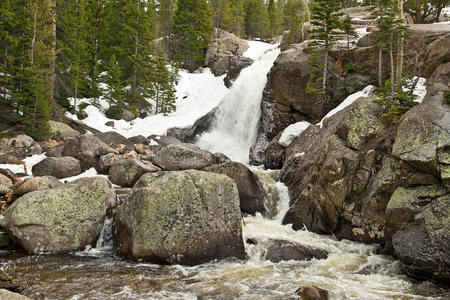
292	132
257	49
420	90
366	92
29	163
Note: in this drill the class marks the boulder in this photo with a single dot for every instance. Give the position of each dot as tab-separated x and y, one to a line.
58	129
157	142
6	184
189	134
274	154
10	160
279	250
139	139
125	172
55	151
183	157
142	149
87	149
225	41
250	194
5	241
110	124
235	65
113	138
106	161
437	53
8	295
417	220
59	167
312	293
59	220
127	115
20	146
184	217
36	184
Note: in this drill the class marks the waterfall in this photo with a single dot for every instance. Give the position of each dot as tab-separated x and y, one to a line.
235	127
105	240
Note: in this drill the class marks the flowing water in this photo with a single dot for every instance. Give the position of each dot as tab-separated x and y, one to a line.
351	271
235	127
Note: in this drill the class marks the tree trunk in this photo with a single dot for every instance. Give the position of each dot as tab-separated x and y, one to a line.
401	42
33	41
325	73
391	53
380	68
53	52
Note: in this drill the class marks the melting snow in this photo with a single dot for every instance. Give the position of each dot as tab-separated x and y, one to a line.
291	132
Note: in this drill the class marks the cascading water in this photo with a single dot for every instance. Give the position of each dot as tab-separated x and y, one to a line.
235	129
351	271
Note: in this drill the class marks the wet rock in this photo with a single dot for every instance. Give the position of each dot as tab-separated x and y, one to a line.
112	138
4	240
61	130
87	149
215	296
274	154
59	220
183	157
312	293
6	184
189	134
250	194
185	217
417	220
279	250
5	294
20	146
36	184
234	65
125	172
59	167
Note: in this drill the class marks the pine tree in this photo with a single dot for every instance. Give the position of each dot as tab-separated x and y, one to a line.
192	32
237	14
348	29
295	14
7	43
273	17
222	14
256	20
326	19
115	94
164	86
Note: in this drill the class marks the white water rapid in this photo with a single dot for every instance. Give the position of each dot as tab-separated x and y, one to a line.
234	129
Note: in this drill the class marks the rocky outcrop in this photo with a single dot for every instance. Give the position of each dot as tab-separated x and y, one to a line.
189	134
125	172
87	149
62	130
224	56
59	220
183	157
20	146
59	167
418	218
113	138
185	217
250	193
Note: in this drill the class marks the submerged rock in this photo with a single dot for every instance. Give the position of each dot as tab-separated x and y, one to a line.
59	167
279	250
59	220
312	293
250	194
185	217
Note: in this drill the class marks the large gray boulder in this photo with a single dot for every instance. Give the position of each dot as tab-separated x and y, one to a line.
20	146
185	217
250	193
58	129
59	167
125	172
113	138
59	220
183	157
87	149
418	221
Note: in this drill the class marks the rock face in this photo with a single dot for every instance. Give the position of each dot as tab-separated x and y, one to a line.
190	133
224	56
250	194
279	250
183	157
185	217
58	129
59	220
125	172
59	167
87	149
20	146
418	218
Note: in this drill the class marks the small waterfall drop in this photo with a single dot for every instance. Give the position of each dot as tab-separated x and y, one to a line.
105	240
235	127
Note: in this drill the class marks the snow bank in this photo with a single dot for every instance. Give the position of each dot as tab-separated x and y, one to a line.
197	94
291	132
366	92
29	163
420	90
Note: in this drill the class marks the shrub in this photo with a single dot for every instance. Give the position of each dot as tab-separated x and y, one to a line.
114	112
